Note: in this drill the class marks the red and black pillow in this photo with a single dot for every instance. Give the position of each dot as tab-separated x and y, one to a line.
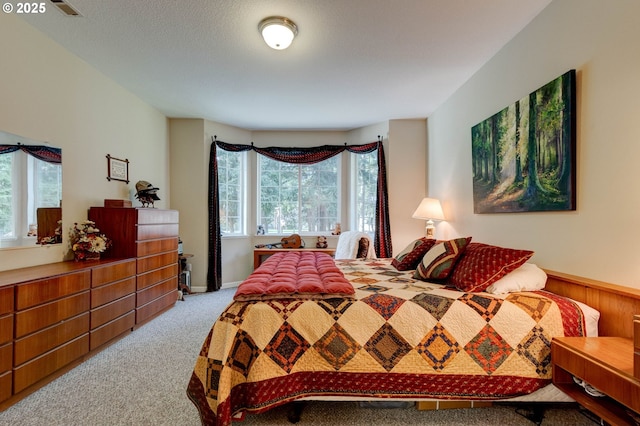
482	264
441	259
412	254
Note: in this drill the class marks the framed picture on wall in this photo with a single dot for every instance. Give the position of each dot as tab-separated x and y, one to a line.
117	169
524	157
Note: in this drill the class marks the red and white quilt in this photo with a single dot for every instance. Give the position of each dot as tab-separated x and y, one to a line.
396	337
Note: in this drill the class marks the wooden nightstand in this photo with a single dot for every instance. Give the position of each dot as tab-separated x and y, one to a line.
606	363
259	254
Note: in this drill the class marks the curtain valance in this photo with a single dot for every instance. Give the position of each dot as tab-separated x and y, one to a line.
41	152
307	155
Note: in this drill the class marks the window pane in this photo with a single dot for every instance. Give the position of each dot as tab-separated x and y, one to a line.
48	183
365	190
231	170
298	198
7	219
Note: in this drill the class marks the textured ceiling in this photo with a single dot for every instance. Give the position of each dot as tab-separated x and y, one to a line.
353	63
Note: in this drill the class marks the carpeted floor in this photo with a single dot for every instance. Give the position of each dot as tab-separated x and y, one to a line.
142	379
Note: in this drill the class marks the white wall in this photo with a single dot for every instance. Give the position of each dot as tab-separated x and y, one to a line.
406	160
189	181
48	94
601	41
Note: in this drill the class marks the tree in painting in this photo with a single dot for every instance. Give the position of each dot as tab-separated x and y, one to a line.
524	156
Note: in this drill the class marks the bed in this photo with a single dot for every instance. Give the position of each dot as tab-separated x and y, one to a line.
304	325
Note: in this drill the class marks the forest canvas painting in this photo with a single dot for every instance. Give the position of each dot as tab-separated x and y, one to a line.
524	156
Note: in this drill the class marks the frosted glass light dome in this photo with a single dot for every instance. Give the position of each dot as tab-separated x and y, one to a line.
278	32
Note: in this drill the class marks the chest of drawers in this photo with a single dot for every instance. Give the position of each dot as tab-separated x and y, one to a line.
151	237
53	316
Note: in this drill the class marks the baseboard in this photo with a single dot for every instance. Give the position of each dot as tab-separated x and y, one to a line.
232	284
203	289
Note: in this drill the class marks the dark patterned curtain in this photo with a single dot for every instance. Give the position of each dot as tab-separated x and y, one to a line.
214	271
41	152
382	237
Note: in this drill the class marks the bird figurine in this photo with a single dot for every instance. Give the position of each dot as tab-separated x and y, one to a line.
146	193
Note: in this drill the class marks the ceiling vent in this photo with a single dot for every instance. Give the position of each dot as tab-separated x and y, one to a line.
65	8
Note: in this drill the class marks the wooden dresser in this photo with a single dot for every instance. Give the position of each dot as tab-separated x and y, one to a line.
6	342
151	237
113	301
53	316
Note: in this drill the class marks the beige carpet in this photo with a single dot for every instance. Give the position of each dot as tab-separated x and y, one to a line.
142	380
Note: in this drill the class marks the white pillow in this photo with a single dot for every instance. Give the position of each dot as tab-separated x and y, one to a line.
527	277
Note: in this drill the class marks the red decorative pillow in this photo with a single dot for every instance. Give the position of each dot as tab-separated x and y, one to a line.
412	254
438	262
483	264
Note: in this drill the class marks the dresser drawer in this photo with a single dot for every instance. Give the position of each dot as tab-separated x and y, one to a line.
6	299
106	274
108	331
43	316
149	263
146	248
150	278
39	368
6	329
113	310
147	295
42	291
155	216
43	341
5	385
6	358
150	309
152	232
110	292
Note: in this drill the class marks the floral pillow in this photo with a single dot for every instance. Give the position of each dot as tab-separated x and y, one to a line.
412	254
438	262
483	264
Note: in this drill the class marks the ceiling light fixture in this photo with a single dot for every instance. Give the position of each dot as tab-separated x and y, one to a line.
278	32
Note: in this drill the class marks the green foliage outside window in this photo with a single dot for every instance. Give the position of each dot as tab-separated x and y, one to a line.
298	198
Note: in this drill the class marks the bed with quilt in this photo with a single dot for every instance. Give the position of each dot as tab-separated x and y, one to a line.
442	320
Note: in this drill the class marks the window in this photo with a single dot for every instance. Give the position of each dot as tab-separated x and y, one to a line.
26	184
46	179
7	209
231	184
364	189
294	198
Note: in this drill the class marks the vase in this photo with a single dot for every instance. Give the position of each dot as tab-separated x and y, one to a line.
81	255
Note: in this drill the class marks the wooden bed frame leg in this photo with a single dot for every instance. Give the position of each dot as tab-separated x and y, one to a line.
295	411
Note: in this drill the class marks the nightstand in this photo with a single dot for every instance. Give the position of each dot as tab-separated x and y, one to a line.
606	363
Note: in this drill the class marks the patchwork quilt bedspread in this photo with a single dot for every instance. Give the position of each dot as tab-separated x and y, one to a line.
396	338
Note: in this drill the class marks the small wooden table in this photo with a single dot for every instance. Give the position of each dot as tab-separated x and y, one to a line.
259	254
606	363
